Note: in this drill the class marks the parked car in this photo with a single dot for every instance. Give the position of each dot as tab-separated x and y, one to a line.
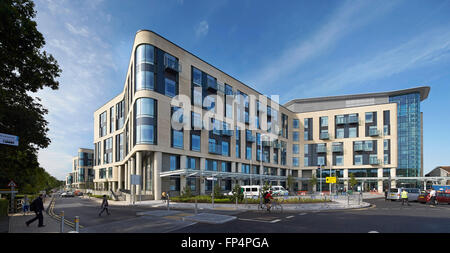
423	197
279	191
67	194
442	198
396	193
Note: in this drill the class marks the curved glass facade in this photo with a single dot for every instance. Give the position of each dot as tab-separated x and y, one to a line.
145	121
145	58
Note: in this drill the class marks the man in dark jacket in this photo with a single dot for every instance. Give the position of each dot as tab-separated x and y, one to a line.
104	206
38	205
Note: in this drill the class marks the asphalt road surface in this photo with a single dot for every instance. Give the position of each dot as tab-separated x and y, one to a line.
381	217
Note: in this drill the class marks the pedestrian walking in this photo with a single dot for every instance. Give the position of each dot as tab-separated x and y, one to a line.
405	197
432	197
25	205
164	197
37	206
385	194
104	206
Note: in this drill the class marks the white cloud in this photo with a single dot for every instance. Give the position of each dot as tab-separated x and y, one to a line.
202	29
89	69
425	49
77	31
344	20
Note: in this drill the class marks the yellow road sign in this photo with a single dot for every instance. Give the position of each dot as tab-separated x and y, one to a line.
330	180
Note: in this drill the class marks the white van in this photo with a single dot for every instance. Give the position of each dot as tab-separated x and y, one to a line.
251	191
279	190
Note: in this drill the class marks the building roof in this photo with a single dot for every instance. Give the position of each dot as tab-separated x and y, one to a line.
446	168
423	90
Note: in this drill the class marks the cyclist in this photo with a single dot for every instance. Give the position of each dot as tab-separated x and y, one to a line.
267	199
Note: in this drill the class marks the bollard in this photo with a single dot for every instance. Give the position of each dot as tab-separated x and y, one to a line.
62	222
236	202
195	205
77	224
168	200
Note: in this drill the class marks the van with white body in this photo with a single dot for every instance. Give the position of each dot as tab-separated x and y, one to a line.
279	190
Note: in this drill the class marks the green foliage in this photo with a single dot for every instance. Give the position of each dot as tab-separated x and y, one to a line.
352	180
186	193
237	193
266	187
101	197
313	181
4	203
290	183
230	200
217	193
25	68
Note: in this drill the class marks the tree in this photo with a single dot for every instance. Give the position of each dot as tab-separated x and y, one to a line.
352	180
290	183
24	68
313	181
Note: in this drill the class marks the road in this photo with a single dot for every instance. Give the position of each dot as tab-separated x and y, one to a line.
382	217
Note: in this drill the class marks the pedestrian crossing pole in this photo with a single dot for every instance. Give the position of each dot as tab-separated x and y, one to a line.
62	221
77	224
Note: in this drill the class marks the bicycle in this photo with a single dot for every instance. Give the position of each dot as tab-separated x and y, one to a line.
276	206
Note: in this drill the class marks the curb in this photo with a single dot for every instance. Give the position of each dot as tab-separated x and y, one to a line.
52	214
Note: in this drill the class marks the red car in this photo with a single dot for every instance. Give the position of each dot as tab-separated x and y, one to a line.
443	197
424	197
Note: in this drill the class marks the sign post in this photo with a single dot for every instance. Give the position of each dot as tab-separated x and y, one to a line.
212	179
12	185
330	180
8	139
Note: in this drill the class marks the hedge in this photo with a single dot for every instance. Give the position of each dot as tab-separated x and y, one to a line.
4	204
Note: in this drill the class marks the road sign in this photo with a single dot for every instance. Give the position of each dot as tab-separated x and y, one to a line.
211	178
12	184
135	179
8	139
330	180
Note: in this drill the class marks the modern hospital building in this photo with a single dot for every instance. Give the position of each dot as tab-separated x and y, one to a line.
179	122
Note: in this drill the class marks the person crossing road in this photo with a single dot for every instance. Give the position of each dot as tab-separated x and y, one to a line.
405	197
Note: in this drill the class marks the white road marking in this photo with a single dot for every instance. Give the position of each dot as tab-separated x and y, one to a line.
290	217
274	221
301	213
373	232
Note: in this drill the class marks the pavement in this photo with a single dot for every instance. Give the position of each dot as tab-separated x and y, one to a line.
17	222
163	221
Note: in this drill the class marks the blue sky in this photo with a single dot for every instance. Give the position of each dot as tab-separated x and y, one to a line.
297	49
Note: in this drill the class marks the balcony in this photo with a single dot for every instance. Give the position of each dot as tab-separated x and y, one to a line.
353	120
170	63
374	161
250	138
227	132
324	136
321	149
338	148
340	121
374	132
358	147
215	149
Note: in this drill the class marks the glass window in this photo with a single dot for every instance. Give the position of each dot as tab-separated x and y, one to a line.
173	162
228	111
352	132
386	158
339	160
320	160
306	136
386	144
225	148
170	87
306	162
306	148
145	54
324	121
358	160
238	150
195	142
306	123
369	117
198	100
296	123
197	76
339	133
177	141
386	130
145	121
295	149
248	154
295	161
296	136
